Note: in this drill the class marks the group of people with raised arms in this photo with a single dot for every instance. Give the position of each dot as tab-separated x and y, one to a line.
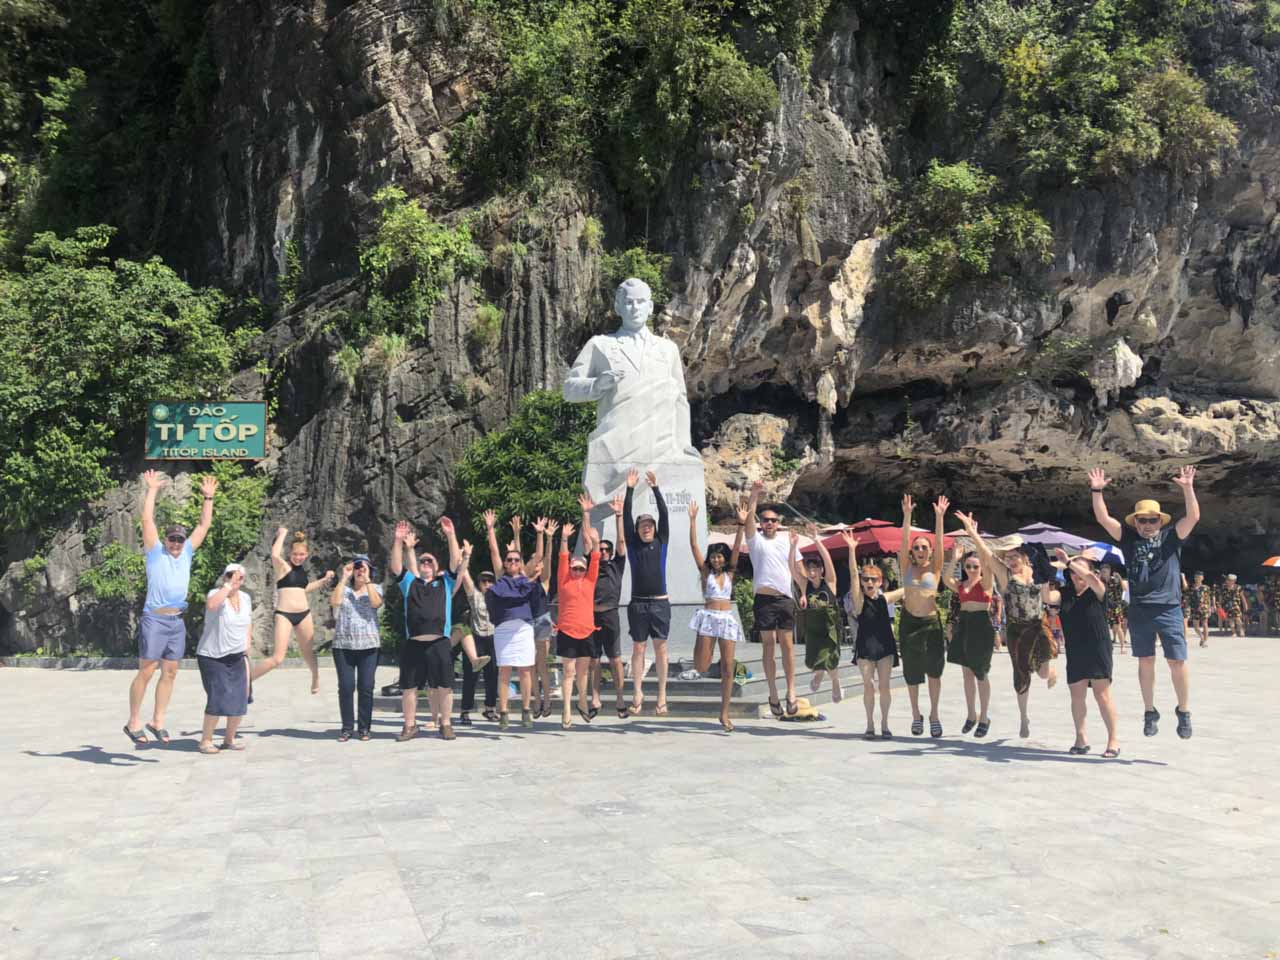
793	598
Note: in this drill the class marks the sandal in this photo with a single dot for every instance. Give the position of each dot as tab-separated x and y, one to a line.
870	734
592	713
208	749
139	737
586	714
504	720
727	725
917	726
982	728
660	710
623	711
235	747
886	733
1079	751
407	734
490	714
968	725
776	709
935	728
566	723
793	707
636	708
1111	754
446	732
344	736
363	735
160	733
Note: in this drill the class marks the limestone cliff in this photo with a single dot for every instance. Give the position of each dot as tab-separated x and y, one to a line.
1171	282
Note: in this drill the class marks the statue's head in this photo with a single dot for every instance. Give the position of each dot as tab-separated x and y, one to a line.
633	303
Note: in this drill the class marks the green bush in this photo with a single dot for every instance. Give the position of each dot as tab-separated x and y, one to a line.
533	466
639	263
744	599
952	230
407	266
732	91
486	327
119	573
85	344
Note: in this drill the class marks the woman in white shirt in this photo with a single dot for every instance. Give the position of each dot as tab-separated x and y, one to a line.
223	658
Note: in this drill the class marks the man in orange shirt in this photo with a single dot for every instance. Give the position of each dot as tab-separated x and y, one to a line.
576	589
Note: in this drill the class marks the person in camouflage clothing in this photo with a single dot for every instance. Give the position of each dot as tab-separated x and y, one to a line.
1231	598
1269	595
1198	599
1117	603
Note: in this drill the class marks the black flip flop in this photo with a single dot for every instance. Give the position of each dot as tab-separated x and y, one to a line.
623	713
776	709
592	713
981	729
917	726
585	715
935	728
139	737
160	733
1079	751
1111	754
793	707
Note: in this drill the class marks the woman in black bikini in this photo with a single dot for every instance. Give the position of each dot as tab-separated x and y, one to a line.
293	612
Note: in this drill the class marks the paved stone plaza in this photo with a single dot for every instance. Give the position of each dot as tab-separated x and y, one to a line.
642	838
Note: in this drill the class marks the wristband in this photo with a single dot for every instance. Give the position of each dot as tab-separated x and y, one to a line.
208	498
1095	489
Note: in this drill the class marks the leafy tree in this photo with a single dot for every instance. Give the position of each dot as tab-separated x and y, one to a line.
641	264
953	230
85	344
533	466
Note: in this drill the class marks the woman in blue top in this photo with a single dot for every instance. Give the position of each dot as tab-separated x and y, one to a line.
356	641
511	602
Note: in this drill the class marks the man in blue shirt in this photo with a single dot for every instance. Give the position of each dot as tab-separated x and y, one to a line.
162	633
1153	549
426	656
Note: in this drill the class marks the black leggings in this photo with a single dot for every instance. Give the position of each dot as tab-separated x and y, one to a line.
484	647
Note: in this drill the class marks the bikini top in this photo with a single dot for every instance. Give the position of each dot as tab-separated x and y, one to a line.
714	591
925	581
975	595
296	577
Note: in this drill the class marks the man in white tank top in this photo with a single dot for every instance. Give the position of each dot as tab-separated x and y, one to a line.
774	608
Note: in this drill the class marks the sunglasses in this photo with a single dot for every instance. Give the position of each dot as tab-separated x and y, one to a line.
577	569
427	561
1053	606
512	560
359	565
869	579
176	539
769	519
1146	519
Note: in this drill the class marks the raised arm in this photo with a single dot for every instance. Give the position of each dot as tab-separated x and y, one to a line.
395	562
464	561
320	582
551	528
940	507
737	539
793	560
1097	481
618	505
219	596
339	588
855	585
828	565
208	487
277	550
455	551
562	571
904	550
664	523
587	505
495	555
693	539
411	551
152	481
1087	573
948	578
1186	479
757	488
628	520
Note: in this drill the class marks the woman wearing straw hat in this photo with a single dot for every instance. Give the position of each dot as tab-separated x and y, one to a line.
1154	549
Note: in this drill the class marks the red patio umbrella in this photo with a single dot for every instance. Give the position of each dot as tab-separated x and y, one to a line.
876	538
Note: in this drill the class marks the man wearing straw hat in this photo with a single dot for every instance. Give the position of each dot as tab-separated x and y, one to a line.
1154	549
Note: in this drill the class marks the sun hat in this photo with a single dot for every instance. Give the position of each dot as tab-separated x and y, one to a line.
1145	507
578	562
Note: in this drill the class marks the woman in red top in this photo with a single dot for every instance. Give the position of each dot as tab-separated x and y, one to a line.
576	588
973	638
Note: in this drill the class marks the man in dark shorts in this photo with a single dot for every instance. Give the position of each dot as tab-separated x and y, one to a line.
607	640
162	632
774	608
649	612
1153	549
426	656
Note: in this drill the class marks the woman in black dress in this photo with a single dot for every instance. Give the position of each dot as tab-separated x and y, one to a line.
1088	641
875	650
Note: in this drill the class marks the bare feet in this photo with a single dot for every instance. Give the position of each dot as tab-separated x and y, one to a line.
1025	730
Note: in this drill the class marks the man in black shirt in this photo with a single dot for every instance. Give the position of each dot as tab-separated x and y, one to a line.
649	612
607	639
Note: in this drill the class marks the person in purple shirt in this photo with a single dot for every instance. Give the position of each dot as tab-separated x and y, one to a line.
162	632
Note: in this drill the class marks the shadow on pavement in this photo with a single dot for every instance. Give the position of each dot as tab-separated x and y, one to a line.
93	754
1002	751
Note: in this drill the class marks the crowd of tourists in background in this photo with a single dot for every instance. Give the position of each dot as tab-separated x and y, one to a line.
937	605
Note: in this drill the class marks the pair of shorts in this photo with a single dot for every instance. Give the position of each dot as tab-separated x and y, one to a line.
162	636
1147	620
226	684
773	612
649	620
973	641
607	640
571	648
426	663
922	647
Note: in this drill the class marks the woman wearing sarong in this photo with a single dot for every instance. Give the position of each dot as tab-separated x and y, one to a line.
818	619
973	639
875	650
1031	645
920	637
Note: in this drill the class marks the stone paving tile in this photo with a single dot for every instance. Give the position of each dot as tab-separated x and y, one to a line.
641	839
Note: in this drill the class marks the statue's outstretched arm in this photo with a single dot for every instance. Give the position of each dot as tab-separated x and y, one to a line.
582	385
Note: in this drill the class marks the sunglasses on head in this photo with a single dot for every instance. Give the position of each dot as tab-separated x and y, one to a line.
1146	519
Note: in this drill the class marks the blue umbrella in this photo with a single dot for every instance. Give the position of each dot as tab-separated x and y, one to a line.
1049	536
1109	553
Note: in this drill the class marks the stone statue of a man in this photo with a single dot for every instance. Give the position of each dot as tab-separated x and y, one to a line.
642	410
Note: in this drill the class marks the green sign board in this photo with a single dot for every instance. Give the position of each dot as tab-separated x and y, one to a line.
206	431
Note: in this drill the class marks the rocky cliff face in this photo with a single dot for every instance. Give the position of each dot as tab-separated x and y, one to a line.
799	368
